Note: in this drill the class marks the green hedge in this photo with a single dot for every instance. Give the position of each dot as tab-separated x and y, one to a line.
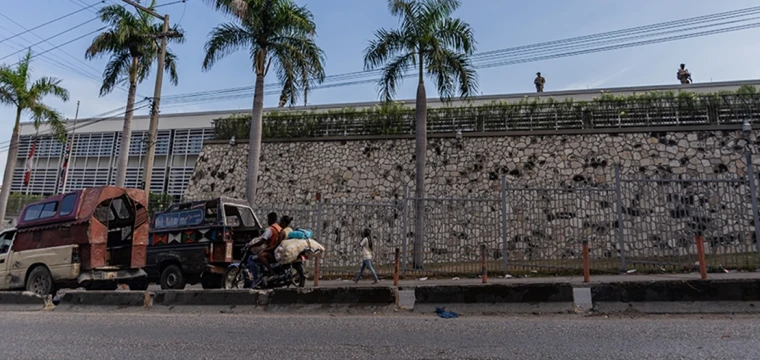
605	111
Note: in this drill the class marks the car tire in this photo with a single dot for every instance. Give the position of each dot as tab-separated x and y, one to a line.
40	281
172	278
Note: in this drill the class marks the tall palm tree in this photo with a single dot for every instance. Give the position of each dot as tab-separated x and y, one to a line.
131	43
278	34
430	42
17	89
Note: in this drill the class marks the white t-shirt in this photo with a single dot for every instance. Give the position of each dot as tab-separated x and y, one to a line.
366	251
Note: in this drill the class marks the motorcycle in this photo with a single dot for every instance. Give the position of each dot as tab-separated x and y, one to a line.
239	275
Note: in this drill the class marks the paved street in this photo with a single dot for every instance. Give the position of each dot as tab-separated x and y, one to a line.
48	335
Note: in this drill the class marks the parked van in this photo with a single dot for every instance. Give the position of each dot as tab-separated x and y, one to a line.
94	238
194	242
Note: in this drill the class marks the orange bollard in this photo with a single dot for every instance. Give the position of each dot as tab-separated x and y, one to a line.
395	268
586	270
701	254
483	267
316	271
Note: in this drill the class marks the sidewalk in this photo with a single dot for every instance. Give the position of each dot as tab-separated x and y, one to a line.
574	280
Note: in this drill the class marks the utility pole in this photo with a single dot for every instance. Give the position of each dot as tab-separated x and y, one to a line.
150	150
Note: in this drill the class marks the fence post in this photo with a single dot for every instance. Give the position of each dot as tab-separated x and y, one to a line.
504	249
483	267
404	232
701	255
586	268
319	219
621	235
752	177
316	270
395	267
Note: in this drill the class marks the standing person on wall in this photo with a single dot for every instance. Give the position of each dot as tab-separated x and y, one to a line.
366	248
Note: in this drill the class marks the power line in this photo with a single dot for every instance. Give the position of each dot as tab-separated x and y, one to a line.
44	24
52	37
488	62
171	3
97	77
66	43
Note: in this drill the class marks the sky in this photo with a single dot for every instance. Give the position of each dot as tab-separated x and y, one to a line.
344	28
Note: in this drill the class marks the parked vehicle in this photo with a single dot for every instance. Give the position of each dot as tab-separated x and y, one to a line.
194	242
239	275
94	238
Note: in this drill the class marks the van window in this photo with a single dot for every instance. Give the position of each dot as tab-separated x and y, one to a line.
33	212
49	210
67	204
6	239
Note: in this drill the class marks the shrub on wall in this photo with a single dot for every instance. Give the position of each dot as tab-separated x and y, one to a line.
606	110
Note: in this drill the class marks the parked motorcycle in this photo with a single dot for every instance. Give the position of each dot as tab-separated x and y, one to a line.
239	275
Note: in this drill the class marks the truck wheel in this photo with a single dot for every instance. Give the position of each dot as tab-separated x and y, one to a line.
172	278
39	281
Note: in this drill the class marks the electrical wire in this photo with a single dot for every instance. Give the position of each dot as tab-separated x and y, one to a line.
230	94
52	37
45	23
64	44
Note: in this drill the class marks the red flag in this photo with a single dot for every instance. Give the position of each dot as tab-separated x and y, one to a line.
28	174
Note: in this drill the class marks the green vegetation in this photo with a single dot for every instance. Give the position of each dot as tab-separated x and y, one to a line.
605	111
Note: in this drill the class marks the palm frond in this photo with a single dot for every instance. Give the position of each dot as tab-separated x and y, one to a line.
116	71
42	114
453	72
393	73
387	44
457	35
223	40
170	66
45	86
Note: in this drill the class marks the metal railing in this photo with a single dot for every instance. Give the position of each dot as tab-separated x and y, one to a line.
634	223
604	113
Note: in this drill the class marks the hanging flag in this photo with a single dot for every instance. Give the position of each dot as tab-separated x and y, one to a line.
64	165
28	174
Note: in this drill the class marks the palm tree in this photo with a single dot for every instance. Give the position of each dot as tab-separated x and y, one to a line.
279	35
430	42
131	44
17	89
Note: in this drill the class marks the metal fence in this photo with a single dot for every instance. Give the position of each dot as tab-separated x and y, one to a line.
604	113
634	223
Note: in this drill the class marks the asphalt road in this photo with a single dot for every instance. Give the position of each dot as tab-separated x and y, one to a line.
46	335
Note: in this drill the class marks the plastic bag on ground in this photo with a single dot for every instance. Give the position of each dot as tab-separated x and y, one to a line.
289	250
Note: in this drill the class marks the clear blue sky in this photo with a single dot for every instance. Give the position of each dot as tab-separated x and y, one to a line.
345	26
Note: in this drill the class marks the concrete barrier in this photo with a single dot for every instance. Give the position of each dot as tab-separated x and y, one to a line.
678	297
23	301
204	300
360	296
79	300
495	298
688	290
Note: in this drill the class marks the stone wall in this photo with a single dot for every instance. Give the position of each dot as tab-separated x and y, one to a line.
561	191
360	170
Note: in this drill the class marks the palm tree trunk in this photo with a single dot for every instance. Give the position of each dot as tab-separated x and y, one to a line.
10	165
126	131
254	139
420	152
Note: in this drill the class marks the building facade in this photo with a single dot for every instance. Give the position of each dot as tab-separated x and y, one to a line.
96	142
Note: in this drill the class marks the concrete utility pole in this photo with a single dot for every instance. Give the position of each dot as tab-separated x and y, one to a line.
153	128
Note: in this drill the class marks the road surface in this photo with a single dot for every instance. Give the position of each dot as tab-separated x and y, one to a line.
50	335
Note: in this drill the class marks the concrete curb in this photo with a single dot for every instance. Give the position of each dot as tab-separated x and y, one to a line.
650	297
24	301
359	296
81	300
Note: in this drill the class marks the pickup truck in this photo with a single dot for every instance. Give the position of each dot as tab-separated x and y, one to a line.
94	238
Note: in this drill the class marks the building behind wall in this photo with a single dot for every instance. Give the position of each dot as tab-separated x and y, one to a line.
181	138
